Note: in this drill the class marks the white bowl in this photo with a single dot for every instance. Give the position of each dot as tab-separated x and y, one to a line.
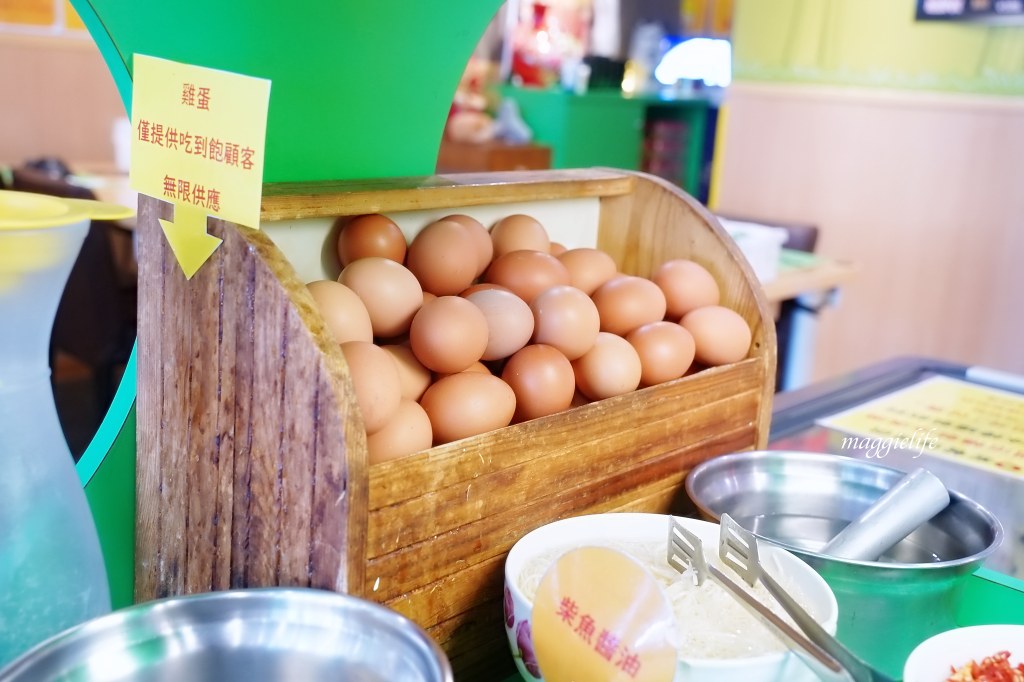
602	529
932	659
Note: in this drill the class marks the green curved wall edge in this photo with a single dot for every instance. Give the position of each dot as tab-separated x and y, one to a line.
358	90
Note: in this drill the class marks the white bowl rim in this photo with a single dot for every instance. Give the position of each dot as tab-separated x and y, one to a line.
518	556
990	639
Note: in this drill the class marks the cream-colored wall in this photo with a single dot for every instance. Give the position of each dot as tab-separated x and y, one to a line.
58	98
924	191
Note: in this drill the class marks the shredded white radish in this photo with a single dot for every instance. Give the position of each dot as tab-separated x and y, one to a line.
711	622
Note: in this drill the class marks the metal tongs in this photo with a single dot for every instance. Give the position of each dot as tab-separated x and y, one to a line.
737	548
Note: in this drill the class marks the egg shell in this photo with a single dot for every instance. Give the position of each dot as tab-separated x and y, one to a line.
481	239
720	334
527	273
687	285
375	378
343	311
413	376
612	367
628	302
369	235
566	318
509	321
557	249
467	404
407	432
666	351
390	292
443	257
519	232
448	334
588	268
542	379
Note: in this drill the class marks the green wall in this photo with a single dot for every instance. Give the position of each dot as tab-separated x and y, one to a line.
873	43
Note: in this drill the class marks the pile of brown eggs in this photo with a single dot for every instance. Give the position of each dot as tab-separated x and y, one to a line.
466	330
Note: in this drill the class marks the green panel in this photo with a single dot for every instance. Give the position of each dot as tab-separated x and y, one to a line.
111	495
991	598
873	43
604	129
359	89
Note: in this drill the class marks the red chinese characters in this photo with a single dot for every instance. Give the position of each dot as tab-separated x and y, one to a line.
197	96
605	642
210	148
182	191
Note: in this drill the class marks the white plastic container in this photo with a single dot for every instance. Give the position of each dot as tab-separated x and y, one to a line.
761	244
52	574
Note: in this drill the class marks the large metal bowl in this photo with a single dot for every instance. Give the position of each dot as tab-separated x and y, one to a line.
245	635
801	500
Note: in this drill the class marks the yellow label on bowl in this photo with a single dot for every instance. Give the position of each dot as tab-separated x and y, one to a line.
599	616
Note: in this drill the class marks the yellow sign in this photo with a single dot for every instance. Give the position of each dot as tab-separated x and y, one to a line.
599	616
198	139
942	417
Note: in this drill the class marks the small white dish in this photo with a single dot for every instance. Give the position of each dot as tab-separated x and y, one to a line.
932	659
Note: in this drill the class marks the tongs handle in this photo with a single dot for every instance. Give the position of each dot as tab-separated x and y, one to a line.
857	669
817	658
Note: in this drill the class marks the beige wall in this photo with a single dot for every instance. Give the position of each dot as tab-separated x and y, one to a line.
58	98
924	191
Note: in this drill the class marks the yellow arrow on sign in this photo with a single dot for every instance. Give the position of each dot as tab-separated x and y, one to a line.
191	245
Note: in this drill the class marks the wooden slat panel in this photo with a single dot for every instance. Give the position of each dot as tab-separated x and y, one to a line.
245	473
290	201
466	460
604	449
203	471
421	563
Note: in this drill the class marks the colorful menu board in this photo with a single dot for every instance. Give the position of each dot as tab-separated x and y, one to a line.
942	417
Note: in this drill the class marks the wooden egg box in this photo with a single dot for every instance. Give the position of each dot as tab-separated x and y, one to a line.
252	466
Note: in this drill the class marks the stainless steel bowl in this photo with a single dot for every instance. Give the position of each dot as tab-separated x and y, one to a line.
801	500
246	635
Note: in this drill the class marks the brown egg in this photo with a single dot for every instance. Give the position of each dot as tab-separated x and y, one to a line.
556	249
412	375
370	235
467	404
407	432
666	351
509	321
427	296
375	377
444	258
625	303
720	335
481	239
687	285
390	292
542	379
612	367
566	318
480	286
527	273
478	367
519	232
343	311
588	268
448	334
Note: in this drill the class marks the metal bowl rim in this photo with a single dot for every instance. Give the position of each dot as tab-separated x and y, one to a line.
321	598
800	455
